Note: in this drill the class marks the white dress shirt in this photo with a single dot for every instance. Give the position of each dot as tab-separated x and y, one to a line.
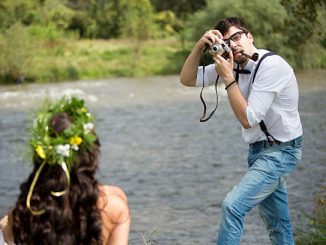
273	97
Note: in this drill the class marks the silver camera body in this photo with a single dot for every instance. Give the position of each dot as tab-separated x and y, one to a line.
221	49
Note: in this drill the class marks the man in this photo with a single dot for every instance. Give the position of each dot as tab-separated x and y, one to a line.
271	97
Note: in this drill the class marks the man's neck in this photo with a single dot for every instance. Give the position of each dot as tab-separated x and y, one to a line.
243	64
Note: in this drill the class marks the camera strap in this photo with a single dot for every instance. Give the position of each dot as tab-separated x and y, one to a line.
203	119
262	124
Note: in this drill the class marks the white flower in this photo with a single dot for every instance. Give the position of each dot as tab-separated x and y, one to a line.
63	150
88	127
74	147
89	115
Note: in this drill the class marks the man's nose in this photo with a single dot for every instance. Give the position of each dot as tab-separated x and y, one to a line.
232	44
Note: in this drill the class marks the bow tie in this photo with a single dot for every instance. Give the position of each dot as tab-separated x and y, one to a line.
242	71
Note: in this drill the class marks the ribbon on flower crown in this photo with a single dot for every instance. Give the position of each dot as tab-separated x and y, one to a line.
53	193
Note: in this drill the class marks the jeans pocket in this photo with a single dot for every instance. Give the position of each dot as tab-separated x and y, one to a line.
290	158
252	155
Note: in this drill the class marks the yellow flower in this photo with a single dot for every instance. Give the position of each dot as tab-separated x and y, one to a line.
40	152
76	140
84	110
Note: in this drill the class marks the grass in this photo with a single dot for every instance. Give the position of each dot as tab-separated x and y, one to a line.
313	227
94	59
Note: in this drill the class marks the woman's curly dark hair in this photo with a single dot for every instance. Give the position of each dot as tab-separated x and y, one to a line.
70	219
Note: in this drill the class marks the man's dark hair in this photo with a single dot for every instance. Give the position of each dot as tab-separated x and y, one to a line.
224	25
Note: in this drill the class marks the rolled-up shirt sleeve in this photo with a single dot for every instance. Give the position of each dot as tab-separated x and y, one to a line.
258	106
209	76
268	83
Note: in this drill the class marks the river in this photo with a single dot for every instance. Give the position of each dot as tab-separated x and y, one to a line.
175	170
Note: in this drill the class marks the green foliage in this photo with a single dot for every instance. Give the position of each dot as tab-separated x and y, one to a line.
17	11
49	32
137	20
39	38
305	12
56	13
182	8
53	148
112	19
83	25
304	24
105	19
313	230
167	24
17	51
96	59
272	26
29	12
270	12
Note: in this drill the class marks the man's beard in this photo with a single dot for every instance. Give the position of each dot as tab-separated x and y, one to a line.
240	59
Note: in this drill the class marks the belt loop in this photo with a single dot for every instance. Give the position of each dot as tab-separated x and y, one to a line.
295	142
265	144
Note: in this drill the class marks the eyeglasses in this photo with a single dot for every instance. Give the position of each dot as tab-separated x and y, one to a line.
234	38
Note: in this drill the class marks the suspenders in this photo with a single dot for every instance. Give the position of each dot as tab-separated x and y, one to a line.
262	125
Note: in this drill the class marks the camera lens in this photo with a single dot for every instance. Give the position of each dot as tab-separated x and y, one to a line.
217	48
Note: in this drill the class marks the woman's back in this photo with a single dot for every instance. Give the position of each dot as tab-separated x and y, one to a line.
115	215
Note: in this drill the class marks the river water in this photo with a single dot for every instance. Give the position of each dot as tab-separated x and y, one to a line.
175	170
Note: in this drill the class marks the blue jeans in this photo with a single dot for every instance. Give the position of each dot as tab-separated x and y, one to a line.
263	185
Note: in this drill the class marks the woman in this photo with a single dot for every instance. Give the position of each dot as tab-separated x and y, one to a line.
62	202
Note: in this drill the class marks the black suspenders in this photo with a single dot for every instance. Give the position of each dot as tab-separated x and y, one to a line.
262	125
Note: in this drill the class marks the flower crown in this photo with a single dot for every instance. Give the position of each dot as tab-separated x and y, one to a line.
60	149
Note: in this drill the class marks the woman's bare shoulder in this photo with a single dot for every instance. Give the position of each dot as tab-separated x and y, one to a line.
114	203
115	191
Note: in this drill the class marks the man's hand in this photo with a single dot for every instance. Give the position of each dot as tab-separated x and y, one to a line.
208	39
238	102
224	67
188	74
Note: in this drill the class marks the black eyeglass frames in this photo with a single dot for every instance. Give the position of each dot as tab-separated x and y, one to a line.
234	38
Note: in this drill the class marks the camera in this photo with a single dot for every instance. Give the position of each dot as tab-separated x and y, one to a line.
221	49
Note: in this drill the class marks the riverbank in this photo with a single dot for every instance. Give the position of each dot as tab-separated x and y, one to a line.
72	60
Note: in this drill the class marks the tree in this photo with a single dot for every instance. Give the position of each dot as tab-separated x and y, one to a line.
304	30
181	8
16	53
265	19
302	19
137	19
16	11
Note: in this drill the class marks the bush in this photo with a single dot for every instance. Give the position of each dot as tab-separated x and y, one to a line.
313	228
16	54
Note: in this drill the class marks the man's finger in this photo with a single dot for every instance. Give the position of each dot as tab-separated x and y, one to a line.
231	57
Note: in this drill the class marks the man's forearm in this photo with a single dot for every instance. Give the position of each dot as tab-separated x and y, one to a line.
189	70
